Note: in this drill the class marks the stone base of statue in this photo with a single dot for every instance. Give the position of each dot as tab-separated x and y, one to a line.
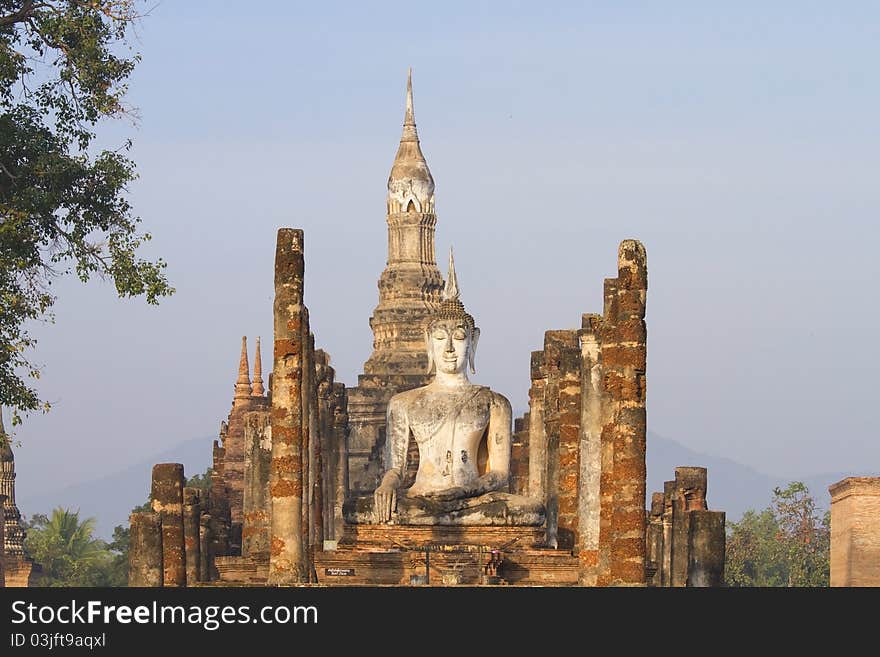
444	555
490	540
491	509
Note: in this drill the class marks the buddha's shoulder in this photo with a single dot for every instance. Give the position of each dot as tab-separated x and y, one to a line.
406	398
498	400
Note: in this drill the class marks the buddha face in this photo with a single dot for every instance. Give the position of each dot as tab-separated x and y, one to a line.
451	345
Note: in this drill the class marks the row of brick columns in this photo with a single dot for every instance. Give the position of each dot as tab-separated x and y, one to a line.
584	434
169	544
685	541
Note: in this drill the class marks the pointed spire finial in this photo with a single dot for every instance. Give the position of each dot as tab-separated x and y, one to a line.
258	371
450	291
409	118
243	384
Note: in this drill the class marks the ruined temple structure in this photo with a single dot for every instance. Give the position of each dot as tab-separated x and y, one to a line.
16	570
417	476
685	541
855	532
229	450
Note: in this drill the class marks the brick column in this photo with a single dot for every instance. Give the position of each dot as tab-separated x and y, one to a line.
218	508
624	357
654	540
315	495
666	545
286	557
192	509
167	499
519	456
706	543
537	435
590	448
689	495
257	508
340	442
207	559
145	549
562	348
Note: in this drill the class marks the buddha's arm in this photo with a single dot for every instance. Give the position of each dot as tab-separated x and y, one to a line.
397	435
498	439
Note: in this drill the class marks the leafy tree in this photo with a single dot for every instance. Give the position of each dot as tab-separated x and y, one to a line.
805	537
63	208
69	553
118	567
753	553
787	544
202	481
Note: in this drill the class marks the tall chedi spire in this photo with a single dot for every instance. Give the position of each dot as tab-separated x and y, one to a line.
258	371
243	384
245	399
14	533
409	288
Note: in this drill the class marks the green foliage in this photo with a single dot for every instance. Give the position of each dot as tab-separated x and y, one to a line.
787	544
202	481
62	207
64	545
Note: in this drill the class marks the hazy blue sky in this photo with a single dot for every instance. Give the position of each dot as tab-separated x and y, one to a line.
739	143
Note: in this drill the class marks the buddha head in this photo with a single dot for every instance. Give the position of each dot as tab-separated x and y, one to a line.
451	336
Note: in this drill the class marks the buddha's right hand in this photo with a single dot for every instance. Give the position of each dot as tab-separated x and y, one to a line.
385	499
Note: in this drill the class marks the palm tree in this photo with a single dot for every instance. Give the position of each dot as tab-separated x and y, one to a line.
66	548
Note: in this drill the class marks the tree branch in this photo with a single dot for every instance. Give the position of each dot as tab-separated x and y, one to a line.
26	11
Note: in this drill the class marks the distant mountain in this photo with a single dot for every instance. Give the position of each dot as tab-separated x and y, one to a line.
733	487
110	499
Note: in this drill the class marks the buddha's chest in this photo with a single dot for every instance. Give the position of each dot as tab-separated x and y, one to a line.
460	418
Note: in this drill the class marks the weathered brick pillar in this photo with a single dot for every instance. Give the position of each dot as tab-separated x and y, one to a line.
306	494
286	557
207	559
167	497
706	543
590	457
564	350
608	484
666	520
218	508
654	538
145	549
192	510
689	495
2	538
340	443
537	435
855	532
324	378
315	499
519	456
624	357
551	432
257	460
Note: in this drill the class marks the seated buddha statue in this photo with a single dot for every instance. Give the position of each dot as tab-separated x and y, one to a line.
450	419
